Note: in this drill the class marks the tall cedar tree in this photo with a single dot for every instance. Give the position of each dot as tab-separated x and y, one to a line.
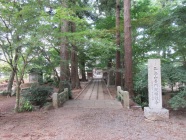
128	48
118	65
75	83
64	56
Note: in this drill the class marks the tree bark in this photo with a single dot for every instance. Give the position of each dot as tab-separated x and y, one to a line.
57	76
64	70
17	93
118	63
14	67
128	48
83	71
75	83
18	84
110	73
64	61
10	82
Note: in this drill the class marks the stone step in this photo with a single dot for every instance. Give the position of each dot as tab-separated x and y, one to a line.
93	104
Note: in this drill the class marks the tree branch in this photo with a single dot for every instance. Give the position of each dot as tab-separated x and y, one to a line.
8	60
4	22
8	40
4	61
57	50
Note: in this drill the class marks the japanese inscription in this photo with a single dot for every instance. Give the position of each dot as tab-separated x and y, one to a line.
154	84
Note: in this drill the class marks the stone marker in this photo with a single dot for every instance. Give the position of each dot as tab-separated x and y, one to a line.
155	110
35	76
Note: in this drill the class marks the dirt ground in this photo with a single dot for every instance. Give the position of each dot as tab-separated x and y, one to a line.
87	124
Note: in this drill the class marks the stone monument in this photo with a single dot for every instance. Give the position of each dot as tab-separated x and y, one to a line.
35	76
155	110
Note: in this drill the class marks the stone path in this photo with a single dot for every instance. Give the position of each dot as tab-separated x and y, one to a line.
95	96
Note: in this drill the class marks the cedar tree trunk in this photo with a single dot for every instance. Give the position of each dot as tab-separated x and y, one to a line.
83	70
118	65
75	83
64	66
128	48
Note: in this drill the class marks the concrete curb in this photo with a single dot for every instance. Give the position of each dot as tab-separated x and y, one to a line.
108	91
82	90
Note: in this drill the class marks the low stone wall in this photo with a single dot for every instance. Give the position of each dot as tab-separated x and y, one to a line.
123	96
59	98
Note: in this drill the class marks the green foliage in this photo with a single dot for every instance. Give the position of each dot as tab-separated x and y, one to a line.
107	6
51	81
5	68
26	106
48	79
141	80
106	23
141	86
142	8
168	31
178	100
118	98
35	70
172	74
141	99
38	95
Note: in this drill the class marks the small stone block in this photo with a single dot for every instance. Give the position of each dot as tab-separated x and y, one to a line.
156	114
55	100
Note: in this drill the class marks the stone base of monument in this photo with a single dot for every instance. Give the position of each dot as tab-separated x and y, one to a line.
156	114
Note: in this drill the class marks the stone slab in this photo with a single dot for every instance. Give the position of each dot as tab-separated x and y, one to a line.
93	104
154	84
156	114
100	92
89	92
95	91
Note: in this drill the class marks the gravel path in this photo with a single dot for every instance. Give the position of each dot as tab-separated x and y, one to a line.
90	124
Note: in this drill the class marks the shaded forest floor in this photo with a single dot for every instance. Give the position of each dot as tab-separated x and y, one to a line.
87	124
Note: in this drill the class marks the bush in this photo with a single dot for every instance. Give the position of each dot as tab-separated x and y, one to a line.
38	95
48	80
178	100
118	98
173	74
51	81
141	86
26	106
141	99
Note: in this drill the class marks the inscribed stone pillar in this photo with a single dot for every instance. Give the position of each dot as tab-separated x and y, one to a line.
154	84
155	110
